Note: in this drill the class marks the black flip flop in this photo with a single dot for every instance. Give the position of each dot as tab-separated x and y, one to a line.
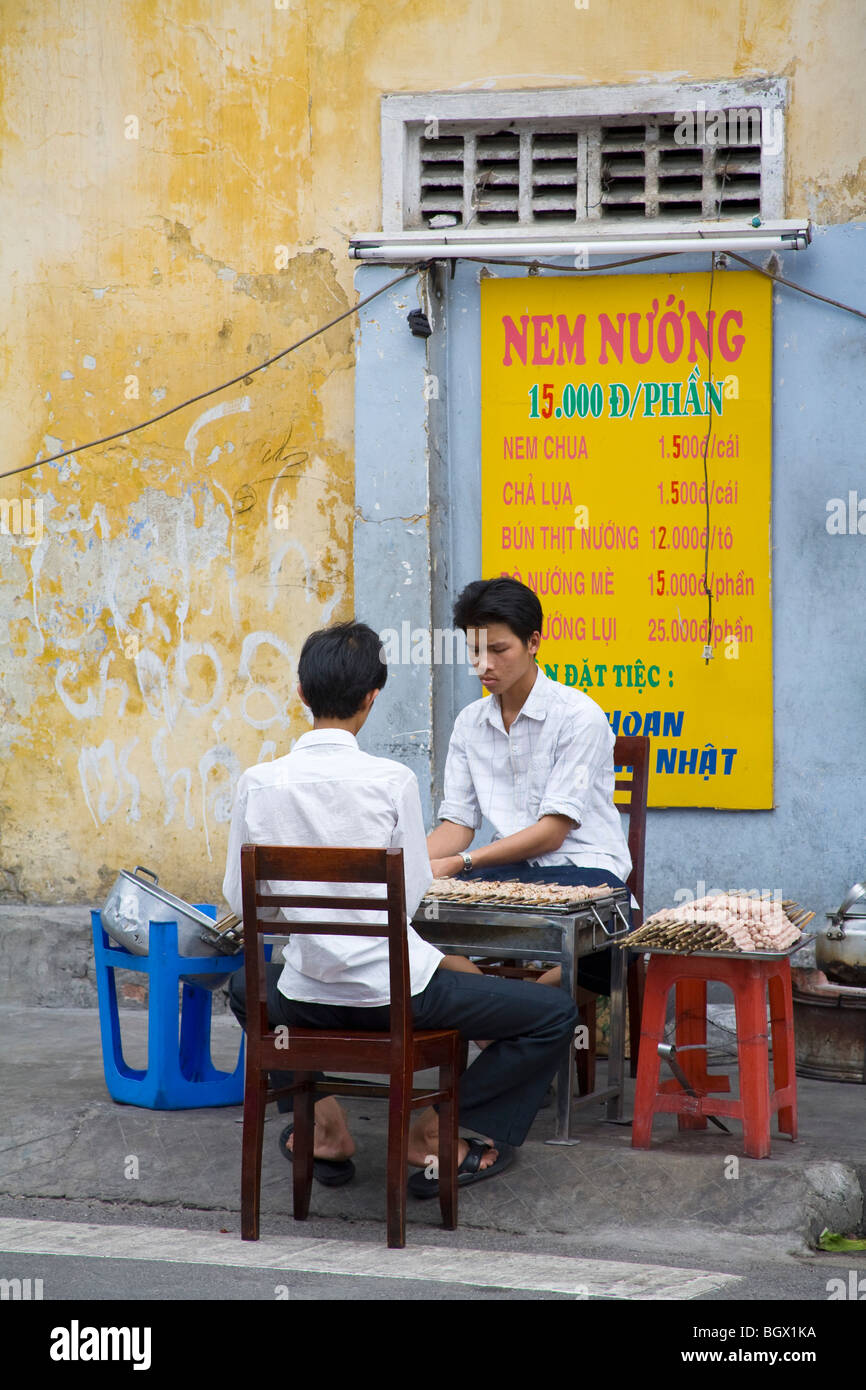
470	1169
330	1172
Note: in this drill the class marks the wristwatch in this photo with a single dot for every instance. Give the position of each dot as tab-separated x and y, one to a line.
467	862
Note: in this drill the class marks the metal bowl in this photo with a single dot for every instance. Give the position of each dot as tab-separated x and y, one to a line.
134	902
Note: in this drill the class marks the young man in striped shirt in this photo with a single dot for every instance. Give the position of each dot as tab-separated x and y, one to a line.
533	758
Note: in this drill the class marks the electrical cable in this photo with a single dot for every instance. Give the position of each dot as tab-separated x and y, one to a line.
709	639
569	269
792	285
663	255
708	644
131	429
421	265
323	328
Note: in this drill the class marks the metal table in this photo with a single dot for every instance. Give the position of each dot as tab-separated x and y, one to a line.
557	934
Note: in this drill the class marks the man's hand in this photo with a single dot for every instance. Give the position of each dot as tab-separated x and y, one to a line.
447	868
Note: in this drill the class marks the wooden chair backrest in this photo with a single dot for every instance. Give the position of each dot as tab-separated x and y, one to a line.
294	865
632	752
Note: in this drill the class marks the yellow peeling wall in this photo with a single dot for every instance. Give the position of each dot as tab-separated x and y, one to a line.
179	182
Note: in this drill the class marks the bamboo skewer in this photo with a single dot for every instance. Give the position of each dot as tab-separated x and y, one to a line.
685	936
509	893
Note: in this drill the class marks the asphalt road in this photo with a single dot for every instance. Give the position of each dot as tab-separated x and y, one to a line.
152	1275
202	1260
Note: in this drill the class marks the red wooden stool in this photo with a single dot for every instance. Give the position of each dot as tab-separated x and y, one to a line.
749	980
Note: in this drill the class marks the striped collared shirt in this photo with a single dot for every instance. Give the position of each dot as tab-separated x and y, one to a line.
556	759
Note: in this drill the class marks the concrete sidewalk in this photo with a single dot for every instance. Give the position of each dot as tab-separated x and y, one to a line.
61	1136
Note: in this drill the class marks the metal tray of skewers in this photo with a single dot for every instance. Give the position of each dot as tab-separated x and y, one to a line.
732	925
548	898
719	953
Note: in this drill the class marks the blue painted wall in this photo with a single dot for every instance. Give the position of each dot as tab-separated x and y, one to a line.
391	534
419	457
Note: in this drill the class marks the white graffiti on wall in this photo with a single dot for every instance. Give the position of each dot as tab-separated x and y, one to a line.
92	589
219	768
164	684
207	417
249	650
105	774
168	780
218	798
94	704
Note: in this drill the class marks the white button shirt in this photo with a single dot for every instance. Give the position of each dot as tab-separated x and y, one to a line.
556	760
328	792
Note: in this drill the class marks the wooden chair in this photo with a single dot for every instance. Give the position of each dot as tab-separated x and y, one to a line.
396	1054
630	751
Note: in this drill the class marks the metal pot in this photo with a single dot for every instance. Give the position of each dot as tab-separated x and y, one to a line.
840	948
829	1028
134	903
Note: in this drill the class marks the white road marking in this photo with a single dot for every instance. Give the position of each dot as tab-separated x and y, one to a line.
482	1268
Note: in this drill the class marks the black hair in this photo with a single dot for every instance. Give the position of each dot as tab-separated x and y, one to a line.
338	666
507	601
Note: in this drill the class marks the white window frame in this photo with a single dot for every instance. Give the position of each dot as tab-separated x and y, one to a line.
404	116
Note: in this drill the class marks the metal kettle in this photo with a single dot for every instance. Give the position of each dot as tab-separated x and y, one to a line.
840	947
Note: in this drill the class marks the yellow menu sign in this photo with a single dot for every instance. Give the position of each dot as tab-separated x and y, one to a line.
626	479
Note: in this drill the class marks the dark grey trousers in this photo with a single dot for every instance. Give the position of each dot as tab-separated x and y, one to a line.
501	1091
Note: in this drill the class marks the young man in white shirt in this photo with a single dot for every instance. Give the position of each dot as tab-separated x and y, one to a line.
328	792
533	757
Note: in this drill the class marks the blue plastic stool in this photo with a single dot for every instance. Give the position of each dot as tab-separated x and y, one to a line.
179	1075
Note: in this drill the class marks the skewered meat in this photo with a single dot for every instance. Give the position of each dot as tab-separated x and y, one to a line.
735	921
521	894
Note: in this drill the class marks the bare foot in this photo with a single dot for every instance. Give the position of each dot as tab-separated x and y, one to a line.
424	1143
331	1137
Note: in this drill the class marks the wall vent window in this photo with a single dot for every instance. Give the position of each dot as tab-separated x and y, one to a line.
693	162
